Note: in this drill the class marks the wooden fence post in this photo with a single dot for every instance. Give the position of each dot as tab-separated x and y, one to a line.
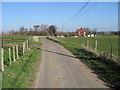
23	48
102	52
111	52
14	54
10	55
2	59
96	45
29	41
87	43
27	44
82	45
2	41
17	51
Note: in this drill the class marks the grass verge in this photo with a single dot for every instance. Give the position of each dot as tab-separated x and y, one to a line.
21	74
106	70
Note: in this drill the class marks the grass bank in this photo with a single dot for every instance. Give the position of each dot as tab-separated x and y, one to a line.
106	70
104	43
21	74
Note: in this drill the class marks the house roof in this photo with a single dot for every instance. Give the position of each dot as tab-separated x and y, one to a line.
81	30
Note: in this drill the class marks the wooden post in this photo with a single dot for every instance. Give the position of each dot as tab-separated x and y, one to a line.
14	53
2	59
2	39
23	48
10	55
96	46
27	44
102	52
87	43
82	44
111	52
17	51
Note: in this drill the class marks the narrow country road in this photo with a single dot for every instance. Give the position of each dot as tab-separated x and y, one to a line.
60	69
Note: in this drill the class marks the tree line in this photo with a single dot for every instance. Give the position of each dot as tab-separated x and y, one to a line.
37	30
46	30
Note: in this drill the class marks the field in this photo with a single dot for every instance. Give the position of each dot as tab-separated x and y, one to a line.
104	43
19	74
106	69
12	40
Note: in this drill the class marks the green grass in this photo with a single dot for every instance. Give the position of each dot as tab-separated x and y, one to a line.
104	43
16	36
14	39
107	70
21	74
10	42
0	80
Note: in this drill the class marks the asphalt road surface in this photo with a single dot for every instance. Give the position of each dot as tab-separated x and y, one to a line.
60	69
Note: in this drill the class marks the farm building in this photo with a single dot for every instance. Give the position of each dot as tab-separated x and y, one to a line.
82	32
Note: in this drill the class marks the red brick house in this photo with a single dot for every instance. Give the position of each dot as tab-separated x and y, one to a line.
82	32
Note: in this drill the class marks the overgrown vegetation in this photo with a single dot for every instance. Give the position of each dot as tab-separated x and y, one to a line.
21	73
107	70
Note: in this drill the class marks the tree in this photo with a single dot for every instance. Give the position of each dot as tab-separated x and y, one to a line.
51	30
11	31
36	27
21	30
26	30
43	27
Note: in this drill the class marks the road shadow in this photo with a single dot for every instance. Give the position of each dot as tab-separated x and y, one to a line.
58	53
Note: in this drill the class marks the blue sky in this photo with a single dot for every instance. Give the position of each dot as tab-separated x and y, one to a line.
103	15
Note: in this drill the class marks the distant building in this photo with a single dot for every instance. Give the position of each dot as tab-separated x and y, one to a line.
82	32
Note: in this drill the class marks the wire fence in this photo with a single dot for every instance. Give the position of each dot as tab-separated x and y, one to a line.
12	49
94	47
102	54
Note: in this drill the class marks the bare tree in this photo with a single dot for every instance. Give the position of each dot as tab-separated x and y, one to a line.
36	27
43	27
21	30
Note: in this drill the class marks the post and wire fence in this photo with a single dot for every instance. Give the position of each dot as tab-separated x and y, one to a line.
94	48
13	52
